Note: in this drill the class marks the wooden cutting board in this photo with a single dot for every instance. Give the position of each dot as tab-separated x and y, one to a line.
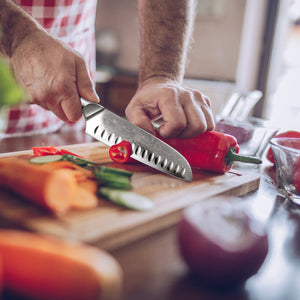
109	226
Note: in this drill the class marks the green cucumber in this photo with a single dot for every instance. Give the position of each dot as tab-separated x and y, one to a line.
113	180
79	161
126	199
46	159
116	171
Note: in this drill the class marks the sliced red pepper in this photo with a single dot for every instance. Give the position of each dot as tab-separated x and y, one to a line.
120	152
64	151
288	134
50	150
41	151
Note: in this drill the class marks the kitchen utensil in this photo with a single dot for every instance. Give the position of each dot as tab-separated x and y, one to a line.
110	129
239	105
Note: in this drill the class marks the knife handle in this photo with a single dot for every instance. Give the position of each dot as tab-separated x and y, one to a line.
90	108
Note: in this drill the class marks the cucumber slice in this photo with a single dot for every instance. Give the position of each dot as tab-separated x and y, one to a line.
116	171
113	180
79	161
45	159
126	199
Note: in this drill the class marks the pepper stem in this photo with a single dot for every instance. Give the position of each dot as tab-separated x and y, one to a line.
232	156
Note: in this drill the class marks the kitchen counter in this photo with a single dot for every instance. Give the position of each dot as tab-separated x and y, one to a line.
153	268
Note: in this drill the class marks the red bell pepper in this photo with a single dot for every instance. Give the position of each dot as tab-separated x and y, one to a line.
288	134
212	151
120	152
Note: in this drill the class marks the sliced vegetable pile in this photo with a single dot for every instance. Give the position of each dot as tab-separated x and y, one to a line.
59	180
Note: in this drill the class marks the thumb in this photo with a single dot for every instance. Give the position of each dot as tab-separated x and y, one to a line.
85	85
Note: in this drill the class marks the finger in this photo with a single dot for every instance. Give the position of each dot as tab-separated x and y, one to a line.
49	102
85	84
199	116
58	111
208	114
174	119
65	100
71	107
139	117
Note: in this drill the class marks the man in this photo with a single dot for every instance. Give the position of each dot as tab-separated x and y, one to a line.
37	35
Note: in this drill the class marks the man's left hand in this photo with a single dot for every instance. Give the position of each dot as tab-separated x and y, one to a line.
186	112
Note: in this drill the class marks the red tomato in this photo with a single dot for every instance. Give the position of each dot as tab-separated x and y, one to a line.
296	176
296	181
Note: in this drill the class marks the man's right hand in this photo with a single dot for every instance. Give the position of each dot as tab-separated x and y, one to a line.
54	75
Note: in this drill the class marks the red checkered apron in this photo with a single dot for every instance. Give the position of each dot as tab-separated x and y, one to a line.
71	21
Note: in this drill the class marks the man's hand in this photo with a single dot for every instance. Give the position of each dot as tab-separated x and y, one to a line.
54	75
185	112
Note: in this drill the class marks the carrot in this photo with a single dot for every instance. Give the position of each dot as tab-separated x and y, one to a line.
80	173
43	268
1	277
87	188
90	185
53	190
85	199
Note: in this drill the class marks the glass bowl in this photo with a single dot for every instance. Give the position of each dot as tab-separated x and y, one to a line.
287	159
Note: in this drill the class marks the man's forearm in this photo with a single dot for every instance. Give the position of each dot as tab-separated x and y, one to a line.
15	24
166	27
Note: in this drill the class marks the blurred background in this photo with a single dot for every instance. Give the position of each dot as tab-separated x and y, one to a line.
238	46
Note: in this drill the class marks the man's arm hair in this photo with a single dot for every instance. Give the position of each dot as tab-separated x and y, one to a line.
166	27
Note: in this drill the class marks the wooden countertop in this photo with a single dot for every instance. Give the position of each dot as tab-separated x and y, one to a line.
153	268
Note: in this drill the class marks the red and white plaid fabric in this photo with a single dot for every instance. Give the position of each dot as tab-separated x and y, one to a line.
71	21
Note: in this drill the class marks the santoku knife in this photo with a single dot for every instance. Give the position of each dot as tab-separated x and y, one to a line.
110	129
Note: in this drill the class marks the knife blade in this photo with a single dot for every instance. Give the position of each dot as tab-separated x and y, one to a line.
110	129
